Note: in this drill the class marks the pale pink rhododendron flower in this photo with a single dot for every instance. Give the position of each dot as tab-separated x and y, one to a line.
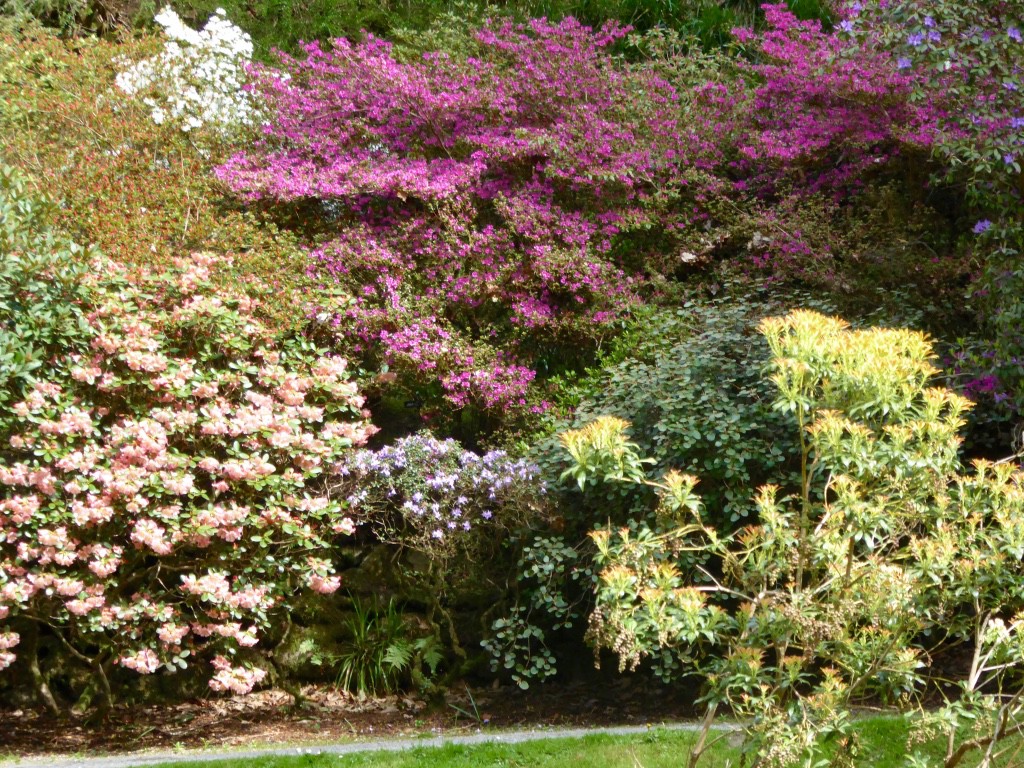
237	680
145	662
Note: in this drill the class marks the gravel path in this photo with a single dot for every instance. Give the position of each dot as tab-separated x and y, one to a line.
193	756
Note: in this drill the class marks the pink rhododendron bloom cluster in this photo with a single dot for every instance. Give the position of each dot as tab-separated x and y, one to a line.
237	680
7	641
148	482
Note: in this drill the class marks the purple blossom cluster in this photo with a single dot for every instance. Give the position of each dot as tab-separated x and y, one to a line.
516	196
496	386
823	105
425	492
963	64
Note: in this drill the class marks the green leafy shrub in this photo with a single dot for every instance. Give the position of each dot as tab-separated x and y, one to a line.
141	193
691	382
42	288
518	641
691	385
69	17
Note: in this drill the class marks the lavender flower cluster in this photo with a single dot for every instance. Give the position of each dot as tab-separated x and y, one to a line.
423	491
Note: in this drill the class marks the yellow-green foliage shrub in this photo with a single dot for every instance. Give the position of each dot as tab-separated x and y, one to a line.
826	599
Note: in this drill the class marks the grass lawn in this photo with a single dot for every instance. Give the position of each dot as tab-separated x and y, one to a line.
883	745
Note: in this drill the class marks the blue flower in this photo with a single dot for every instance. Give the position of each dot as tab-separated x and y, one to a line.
915	39
982	226
903	62
929	22
1014	34
847	26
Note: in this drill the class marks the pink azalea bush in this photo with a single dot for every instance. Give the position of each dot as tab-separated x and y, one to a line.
824	107
815	117
503	199
163	491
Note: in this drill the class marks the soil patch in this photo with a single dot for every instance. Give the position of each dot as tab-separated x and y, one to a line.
267	717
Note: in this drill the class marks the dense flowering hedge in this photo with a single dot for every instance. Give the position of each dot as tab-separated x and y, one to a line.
517	196
164	497
497	200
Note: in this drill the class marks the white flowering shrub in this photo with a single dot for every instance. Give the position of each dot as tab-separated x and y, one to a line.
197	79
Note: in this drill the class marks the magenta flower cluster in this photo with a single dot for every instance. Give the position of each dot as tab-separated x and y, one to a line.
519	196
824	106
479	199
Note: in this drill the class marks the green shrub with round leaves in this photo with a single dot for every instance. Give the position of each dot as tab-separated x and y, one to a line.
693	390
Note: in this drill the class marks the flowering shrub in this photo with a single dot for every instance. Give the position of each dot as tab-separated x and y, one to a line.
164	486
138	191
451	505
962	57
197	79
496	199
429	494
823	107
963	60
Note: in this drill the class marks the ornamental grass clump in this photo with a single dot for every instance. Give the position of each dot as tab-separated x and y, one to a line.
840	591
164	485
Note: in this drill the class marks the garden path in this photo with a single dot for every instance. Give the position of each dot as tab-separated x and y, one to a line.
391	744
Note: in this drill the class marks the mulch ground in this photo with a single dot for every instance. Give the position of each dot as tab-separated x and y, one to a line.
267	717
